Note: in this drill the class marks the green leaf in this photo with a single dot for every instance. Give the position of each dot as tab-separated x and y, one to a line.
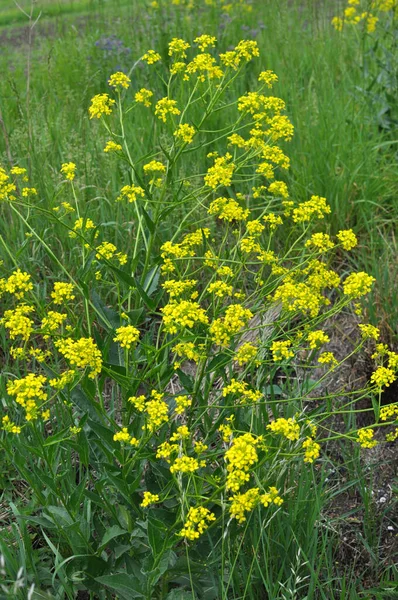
126	585
110	534
217	362
110	318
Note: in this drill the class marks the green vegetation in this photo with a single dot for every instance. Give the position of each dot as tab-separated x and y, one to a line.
195	412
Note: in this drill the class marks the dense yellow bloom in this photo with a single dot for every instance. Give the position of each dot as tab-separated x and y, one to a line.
286	427
316	206
204	66
165	107
317	339
52	321
124	436
383	377
347	238
246	353
312	450
185	132
221	172
268	77
177	288
188	350
29	393
82	353
389	412
327	358
369	331
112	147
240	458
358	284
204	41
182	403
281	350
185	464
279	188
273	220
321	241
131	193
165	451
149	499
181	314
178	47
119	80
198	520
241	388
365	438
26	192
151	57
6	186
62	291
18	284
126	336
220	289
222	329
157	411
17	322
228	209
101	104
62	381
143	96
155	166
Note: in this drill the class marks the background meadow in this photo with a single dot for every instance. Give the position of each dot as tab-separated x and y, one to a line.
336	537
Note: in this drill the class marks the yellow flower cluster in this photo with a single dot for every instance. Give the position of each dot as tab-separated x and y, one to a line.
289	428
126	336
241	388
316	206
124	437
369	331
365	438
221	172
281	349
228	209
358	284
149	499
223	329
101	104
240	458
186	464
119	80
312	450
6	186
383	377
197	521
165	107
317	338
156	409
29	393
389	412
107	250
246	353
17	284
10	426
82	353
151	57
185	133
131	192
68	169
112	146
62	291
181	314
243	503
17	322
143	96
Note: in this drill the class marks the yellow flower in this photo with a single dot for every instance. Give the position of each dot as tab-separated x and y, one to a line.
268	77
222	329
18	284
182	313
144	97
112	147
281	350
317	339
62	291
197	521
178	47
369	331
221	172
131	192
119	80
383	377
101	104
228	209
165	107
312	450
151	57
185	133
205	41
365	438
358	284
81	353
286	427
149	499
347	238
246	353
126	336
